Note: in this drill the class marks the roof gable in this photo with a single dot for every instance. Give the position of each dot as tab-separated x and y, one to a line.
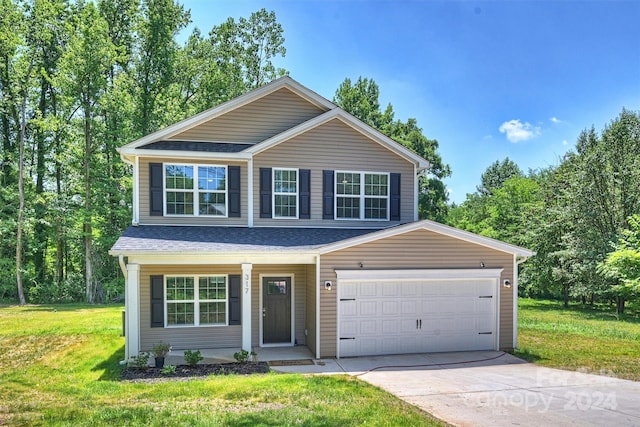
433	227
349	120
174	131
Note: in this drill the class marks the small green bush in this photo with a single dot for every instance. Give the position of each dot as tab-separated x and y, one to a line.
168	370
140	361
242	356
192	357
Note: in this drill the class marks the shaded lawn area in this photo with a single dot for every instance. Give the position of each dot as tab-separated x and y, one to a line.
59	366
585	338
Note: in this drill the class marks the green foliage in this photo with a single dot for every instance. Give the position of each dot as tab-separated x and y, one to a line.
243	356
361	100
192	357
140	361
570	215
161	349
168	370
104	73
623	263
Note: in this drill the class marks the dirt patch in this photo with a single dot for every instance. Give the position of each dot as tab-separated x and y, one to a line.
203	370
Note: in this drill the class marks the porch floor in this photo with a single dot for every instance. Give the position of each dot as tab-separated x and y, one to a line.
225	355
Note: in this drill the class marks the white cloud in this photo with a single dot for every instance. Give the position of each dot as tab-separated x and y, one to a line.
517	131
565	142
555	120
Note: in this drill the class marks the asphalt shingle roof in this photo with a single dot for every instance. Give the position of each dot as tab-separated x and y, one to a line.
159	238
208	147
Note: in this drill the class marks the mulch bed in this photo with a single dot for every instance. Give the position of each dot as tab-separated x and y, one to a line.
204	370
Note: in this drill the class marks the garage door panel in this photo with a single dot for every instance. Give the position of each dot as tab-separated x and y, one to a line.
430	315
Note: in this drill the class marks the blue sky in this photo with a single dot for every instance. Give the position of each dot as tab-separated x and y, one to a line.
487	79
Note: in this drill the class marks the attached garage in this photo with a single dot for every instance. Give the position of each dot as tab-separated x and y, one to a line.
415	311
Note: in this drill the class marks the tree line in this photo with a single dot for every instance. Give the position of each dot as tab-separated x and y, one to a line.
77	80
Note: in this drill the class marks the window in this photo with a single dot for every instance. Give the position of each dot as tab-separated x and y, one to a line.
195	190
196	300
362	195
285	193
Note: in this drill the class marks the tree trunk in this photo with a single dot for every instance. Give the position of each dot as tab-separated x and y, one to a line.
565	295
620	305
23	130
90	291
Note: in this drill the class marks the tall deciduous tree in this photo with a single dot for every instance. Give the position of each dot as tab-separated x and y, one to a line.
496	174
83	72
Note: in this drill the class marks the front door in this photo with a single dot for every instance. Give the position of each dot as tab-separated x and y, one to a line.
276	310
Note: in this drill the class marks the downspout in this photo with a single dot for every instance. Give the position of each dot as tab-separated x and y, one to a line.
318	307
136	190
250	192
516	263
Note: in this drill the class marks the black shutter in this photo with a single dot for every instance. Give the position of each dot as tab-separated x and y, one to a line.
394	214
265	192
305	194
235	290
233	183
157	301
155	189
327	194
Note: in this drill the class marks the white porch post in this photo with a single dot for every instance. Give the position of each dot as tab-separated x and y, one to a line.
132	314
246	306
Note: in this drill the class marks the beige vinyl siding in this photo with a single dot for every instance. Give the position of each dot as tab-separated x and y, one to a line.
316	150
310	323
146	219
183	338
255	122
299	273
419	249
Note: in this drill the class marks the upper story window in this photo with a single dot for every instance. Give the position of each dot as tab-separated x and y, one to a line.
362	195
285	193
196	300
195	190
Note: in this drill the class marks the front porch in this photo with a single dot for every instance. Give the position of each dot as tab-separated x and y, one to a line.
264	354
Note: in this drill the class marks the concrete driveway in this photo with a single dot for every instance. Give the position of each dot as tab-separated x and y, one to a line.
491	388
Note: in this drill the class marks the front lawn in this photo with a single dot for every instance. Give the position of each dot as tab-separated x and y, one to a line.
590	339
59	366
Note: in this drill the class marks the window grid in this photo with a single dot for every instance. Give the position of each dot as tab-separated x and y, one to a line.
195	190
362	195
196	301
285	193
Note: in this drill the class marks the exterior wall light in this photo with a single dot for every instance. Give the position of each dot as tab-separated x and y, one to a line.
327	285
507	283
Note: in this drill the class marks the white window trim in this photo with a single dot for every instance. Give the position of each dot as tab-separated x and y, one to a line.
274	194
195	191
362	195
196	301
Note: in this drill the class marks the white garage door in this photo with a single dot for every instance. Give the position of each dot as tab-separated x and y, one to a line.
394	316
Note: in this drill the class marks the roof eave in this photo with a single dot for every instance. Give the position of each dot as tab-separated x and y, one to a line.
180	154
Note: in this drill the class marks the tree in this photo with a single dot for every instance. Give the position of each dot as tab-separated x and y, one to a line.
83	76
361	100
623	264
496	174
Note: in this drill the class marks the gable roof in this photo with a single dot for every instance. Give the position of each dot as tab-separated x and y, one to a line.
204	116
429	226
156	144
160	239
349	120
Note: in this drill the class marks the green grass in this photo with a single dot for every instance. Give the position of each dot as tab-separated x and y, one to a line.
591	339
59	366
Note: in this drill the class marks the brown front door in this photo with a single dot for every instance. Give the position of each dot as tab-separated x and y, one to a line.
276	310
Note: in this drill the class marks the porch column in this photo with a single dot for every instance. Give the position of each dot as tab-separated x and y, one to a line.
132	313
246	306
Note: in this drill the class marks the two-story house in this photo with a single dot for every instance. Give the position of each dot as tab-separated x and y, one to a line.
279	219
